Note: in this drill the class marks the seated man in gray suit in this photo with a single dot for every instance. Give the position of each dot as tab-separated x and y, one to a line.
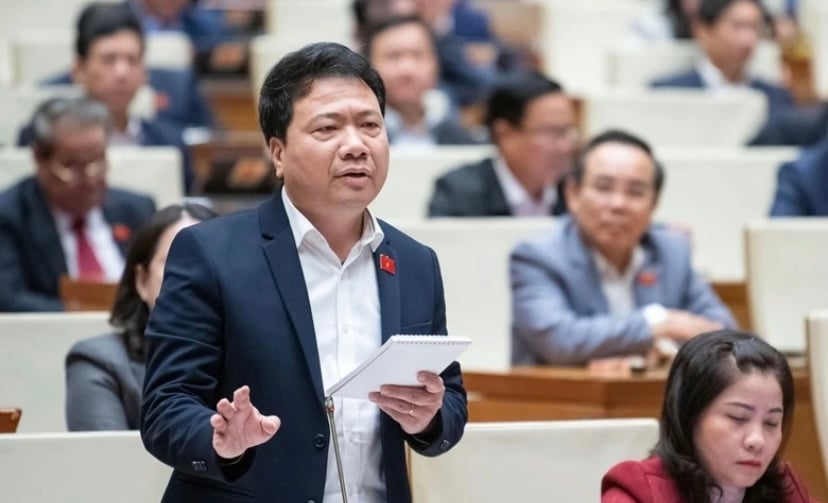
64	220
533	124
606	282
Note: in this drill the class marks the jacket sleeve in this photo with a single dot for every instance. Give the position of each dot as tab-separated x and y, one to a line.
625	483
452	416
543	319
14	293
790	199
700	299
184	365
444	200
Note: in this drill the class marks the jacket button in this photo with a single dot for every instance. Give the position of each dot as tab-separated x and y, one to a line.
319	441
444	445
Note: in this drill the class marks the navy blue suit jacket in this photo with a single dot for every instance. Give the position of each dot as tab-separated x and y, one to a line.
178	96
802	185
233	311
780	127
31	255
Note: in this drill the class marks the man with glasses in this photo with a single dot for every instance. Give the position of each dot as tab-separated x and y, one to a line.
64	220
533	125
605	282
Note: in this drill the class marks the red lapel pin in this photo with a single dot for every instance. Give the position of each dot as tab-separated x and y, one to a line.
647	277
388	264
121	233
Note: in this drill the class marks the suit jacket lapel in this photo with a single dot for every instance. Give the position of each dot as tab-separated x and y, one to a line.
496	198
580	257
647	284
44	234
112	217
388	285
282	257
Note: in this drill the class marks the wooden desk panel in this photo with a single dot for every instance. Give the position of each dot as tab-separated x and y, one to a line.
546	393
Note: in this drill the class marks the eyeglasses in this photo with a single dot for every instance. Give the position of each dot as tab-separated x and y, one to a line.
554	133
71	175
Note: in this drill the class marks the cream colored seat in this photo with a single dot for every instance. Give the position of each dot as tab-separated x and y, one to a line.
678	117
171	50
818	371
787	274
19	103
92	467
637	66
32	361
474	261
154	171
533	462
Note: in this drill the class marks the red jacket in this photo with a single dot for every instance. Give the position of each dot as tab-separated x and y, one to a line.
648	482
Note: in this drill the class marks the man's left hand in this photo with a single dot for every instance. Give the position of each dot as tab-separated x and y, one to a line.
413	407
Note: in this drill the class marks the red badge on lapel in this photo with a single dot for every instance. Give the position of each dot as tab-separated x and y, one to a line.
647	277
162	100
388	264
121	233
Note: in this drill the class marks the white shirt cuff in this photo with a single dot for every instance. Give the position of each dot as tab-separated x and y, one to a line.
654	314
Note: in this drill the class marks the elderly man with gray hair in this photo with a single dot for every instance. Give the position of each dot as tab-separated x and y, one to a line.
64	220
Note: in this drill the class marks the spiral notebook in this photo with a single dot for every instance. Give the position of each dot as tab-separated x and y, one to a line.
398	361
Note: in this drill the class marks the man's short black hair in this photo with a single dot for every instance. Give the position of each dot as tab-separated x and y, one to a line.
292	77
99	20
512	95
375	30
616	136
710	11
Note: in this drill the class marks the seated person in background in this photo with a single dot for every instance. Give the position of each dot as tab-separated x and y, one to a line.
110	68
64	220
802	185
104	374
178	99
727	410
605	282
532	123
402	50
728	32
674	21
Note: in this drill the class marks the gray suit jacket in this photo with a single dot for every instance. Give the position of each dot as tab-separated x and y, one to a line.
103	386
559	312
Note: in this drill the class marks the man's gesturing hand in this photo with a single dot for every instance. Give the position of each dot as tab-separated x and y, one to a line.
238	425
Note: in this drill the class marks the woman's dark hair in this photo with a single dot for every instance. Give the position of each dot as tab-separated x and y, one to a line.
129	312
679	22
704	367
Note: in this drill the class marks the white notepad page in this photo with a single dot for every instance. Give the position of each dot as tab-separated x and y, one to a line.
398	361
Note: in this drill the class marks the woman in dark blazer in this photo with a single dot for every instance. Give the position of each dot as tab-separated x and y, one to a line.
727	410
104	374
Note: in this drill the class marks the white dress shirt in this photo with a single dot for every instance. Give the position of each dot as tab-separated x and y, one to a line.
99	234
132	136
715	80
519	200
618	288
344	300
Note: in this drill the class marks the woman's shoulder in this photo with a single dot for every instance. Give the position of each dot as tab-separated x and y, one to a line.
638	481
102	348
794	486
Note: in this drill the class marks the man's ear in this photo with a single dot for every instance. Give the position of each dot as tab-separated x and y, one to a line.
276	147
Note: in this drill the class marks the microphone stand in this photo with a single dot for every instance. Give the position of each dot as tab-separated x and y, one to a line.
329	408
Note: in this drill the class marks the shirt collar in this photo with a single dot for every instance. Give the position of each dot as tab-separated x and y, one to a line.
131	136
713	78
516	194
302	228
64	221
608	272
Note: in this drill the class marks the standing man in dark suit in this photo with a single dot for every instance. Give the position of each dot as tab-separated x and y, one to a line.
403	51
533	124
274	305
64	220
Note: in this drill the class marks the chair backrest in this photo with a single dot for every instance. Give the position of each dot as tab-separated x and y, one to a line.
474	261
266	51
19	17
580	57
787	274
411	177
678	117
32	363
530	462
716	192
636	66
40	54
154	171
93	467
818	372
168	49
815	22
305	21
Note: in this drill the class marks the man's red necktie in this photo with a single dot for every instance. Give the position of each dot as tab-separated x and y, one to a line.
88	266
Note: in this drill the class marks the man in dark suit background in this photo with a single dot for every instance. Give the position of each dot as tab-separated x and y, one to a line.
64	220
727	33
273	305
802	185
109	65
533	124
403	51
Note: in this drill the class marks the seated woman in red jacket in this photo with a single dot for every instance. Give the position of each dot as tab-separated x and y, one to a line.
727	409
